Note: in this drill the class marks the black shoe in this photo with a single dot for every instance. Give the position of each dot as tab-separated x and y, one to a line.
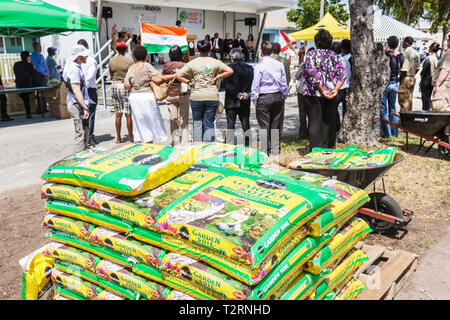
7	118
29	116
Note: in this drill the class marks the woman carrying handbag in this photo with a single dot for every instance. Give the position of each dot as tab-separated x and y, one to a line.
148	124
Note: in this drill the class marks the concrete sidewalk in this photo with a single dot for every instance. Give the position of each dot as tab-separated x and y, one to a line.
431	280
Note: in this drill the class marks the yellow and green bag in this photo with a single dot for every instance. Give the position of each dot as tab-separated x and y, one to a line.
37	268
377	158
126	169
304	285
241	216
322	158
351	290
228	155
339	246
340	274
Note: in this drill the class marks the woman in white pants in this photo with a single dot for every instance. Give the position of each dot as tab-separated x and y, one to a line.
148	124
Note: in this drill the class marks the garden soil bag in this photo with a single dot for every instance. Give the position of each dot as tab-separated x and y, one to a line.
304	285
36	282
126	169
322	158
279	279
350	290
229	156
239	271
377	158
82	287
64	294
241	216
347	199
340	274
339	245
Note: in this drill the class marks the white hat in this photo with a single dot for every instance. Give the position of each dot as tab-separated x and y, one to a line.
78	50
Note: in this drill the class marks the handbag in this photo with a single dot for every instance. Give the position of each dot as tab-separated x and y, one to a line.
161	91
220	108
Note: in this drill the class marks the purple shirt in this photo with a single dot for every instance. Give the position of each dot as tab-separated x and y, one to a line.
322	66
269	77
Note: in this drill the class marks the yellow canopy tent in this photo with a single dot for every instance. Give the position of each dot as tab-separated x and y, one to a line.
337	30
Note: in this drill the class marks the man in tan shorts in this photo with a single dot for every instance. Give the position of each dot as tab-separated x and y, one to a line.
118	68
411	65
440	101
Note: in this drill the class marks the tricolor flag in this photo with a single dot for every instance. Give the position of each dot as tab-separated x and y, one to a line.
287	43
159	39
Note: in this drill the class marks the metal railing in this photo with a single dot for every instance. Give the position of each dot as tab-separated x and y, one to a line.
7	61
105	61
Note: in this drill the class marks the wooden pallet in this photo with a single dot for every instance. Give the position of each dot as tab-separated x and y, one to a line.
385	273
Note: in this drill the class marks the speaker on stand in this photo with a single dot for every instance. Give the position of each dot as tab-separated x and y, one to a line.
250	22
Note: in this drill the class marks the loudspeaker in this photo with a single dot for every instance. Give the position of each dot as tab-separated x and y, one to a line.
107	12
250	21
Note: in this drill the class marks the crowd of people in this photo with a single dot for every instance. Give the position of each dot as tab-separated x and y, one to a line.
323	83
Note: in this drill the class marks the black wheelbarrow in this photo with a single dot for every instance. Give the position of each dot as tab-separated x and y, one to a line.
382	212
429	126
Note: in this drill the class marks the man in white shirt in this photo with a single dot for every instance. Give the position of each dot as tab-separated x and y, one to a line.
217	44
77	97
90	71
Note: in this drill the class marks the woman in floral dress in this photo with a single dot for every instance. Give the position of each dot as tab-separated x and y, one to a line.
324	74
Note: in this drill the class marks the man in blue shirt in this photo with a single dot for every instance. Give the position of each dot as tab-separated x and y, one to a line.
41	76
52	65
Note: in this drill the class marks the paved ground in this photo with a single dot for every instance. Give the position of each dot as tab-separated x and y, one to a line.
29	146
431	280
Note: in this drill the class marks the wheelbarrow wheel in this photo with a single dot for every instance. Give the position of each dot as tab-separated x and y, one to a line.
384	204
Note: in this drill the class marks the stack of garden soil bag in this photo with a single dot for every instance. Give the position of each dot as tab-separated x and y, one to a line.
201	221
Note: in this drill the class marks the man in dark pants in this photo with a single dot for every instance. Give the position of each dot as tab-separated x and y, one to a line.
23	72
90	71
227	45
40	77
3	102
269	90
217	46
237	95
240	44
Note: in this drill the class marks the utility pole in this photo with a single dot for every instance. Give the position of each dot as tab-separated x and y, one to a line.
322	8
99	15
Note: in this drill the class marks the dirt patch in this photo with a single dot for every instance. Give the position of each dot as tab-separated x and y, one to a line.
20	234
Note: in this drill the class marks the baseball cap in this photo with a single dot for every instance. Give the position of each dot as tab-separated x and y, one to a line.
121	44
51	50
78	50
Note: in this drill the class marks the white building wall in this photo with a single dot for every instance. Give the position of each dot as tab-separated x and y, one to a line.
126	16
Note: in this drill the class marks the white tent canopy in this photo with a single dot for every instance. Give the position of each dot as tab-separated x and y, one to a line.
245	6
384	27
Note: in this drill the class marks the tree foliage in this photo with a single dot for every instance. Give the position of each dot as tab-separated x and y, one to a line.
437	12
307	12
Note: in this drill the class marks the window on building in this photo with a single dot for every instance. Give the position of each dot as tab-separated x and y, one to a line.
16	42
2	48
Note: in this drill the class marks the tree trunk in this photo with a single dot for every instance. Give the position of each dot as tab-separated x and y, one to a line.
370	74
